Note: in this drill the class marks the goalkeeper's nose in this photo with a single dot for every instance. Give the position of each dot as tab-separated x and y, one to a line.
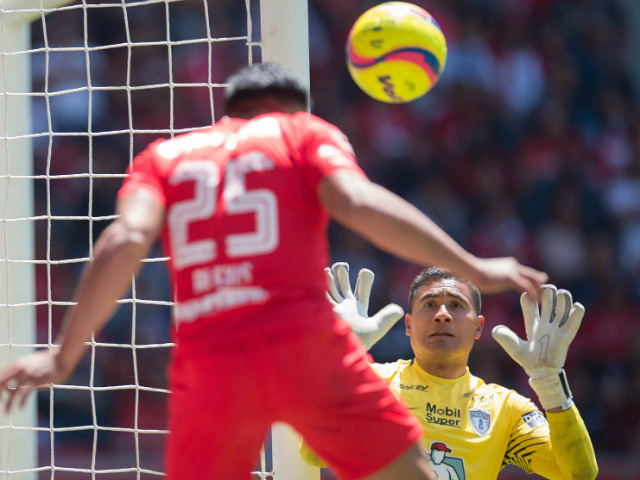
442	315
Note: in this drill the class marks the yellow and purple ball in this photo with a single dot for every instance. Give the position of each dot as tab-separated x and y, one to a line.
396	52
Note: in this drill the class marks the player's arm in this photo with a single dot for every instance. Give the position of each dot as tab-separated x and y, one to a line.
394	225
550	328
571	447
117	257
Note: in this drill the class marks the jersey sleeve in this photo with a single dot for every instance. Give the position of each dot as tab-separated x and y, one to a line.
529	436
325	148
570	451
143	174
555	446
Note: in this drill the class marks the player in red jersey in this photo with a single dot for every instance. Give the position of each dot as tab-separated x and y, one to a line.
243	208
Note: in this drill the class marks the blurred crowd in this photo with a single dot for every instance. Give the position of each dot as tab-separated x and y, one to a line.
528	146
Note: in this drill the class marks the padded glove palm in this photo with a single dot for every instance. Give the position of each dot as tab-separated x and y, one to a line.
352	306
550	330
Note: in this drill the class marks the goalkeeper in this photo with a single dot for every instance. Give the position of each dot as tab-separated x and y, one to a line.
473	429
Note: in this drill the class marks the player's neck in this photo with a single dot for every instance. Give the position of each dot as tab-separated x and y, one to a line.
249	109
254	112
442	367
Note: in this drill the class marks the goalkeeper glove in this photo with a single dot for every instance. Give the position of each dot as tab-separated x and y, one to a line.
352	306
550	329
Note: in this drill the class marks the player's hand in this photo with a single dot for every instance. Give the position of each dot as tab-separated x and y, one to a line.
493	275
550	330
19	379
352	306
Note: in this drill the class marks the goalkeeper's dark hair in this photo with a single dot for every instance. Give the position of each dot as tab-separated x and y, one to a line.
264	79
433	274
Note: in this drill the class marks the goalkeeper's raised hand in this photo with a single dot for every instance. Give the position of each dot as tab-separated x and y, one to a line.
550	330
352	306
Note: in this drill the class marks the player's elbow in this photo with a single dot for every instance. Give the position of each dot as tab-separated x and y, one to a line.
121	237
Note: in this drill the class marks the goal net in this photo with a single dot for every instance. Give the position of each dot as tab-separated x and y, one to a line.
84	86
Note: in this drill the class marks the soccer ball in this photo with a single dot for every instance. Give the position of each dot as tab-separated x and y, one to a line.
396	52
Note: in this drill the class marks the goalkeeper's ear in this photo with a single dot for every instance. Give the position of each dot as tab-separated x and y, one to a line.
479	326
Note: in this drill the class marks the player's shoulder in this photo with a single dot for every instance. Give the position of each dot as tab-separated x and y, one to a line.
495	388
508	397
521	411
322	134
308	122
276	124
184	143
309	118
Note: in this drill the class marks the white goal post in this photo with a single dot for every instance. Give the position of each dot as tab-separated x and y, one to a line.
284	39
17	278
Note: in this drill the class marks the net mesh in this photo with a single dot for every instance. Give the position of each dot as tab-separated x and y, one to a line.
107	78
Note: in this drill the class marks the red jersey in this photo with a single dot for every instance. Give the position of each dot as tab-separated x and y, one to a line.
244	226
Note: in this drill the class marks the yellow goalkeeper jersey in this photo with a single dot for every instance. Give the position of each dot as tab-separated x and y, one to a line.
472	429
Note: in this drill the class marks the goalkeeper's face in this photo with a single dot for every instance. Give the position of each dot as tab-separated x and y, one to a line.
443	320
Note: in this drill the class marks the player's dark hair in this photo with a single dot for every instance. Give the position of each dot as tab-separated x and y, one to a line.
264	79
433	274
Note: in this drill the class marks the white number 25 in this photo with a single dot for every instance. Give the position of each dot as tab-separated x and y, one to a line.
206	177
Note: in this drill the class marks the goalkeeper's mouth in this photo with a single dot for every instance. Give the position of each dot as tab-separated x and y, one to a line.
441	334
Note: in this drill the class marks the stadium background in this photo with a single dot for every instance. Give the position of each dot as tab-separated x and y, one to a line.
529	146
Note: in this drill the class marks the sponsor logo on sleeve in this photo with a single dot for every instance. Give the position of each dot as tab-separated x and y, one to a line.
535	419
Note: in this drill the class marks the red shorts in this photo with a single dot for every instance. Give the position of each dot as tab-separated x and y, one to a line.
225	398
